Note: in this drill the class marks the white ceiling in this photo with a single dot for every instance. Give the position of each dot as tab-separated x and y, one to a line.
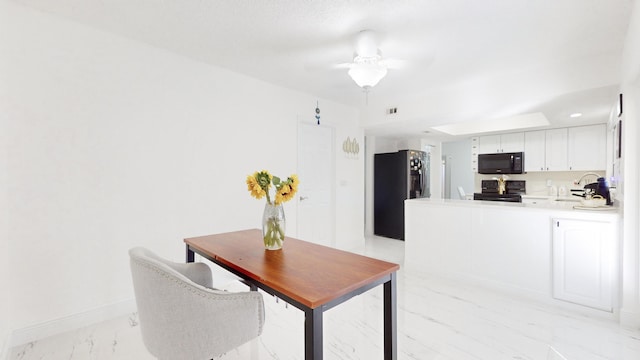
466	60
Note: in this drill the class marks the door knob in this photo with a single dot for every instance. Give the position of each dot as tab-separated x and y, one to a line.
303	198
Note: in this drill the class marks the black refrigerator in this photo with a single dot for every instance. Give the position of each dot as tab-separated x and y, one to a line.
397	176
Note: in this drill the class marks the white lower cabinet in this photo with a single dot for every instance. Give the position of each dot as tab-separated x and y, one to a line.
584	262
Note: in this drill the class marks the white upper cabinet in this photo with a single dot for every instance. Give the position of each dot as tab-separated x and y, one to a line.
501	143
580	148
512	142
545	150
556	150
534	151
489	144
587	147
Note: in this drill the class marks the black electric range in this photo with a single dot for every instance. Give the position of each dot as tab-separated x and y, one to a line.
514	191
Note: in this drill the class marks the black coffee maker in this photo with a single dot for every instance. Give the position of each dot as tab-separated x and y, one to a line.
600	188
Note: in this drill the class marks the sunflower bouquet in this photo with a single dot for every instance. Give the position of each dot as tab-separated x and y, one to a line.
273	223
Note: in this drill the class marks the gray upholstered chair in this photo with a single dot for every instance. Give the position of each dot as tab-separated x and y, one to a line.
181	317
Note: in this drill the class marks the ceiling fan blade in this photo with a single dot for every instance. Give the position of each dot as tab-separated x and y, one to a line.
394	63
342	66
329	67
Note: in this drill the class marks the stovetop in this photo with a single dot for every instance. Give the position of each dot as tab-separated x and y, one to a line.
514	191
497	197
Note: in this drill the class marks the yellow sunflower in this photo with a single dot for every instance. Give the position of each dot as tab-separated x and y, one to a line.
260	182
279	198
264	179
284	194
254	187
294	182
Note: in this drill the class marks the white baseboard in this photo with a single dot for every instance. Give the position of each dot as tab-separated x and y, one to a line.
69	323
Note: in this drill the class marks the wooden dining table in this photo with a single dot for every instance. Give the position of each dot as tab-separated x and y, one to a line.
311	277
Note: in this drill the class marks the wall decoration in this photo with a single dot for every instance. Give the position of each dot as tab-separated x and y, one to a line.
351	148
317	113
620	105
619	139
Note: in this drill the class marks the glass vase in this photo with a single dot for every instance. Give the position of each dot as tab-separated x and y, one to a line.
274	226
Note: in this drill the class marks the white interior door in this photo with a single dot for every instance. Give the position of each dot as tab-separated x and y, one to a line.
316	192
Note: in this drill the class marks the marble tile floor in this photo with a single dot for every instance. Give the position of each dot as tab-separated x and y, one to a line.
437	319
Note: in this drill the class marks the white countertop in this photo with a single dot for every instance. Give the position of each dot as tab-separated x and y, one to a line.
563	205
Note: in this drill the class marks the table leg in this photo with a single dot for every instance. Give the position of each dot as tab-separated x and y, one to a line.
190	255
251	286
313	334
390	319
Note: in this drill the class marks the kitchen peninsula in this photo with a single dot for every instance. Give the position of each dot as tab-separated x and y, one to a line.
545	250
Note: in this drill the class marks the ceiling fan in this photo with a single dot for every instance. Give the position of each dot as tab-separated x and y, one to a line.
368	66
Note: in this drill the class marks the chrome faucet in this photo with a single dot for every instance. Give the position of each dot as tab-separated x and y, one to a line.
585	176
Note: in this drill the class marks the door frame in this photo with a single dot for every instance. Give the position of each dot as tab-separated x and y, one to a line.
302	121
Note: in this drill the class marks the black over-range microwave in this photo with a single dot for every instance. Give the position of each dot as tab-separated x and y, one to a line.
501	163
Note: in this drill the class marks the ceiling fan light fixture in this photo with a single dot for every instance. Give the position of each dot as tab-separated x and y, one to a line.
368	67
367	74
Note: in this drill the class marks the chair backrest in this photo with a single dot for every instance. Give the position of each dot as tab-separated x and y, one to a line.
182	319
553	354
461	193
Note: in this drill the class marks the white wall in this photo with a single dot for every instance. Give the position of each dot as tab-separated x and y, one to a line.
410	144
4	235
436	167
458	157
113	144
350	189
630	312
